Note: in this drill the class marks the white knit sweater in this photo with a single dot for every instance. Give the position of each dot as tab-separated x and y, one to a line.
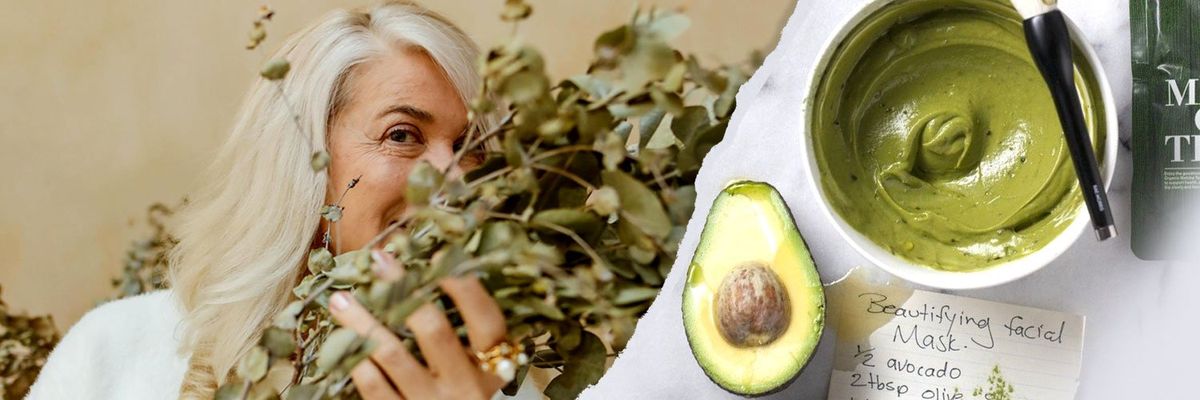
124	349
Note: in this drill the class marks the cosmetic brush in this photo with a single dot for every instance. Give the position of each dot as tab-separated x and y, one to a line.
1049	41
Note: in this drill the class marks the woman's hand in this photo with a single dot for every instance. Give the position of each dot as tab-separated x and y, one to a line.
391	372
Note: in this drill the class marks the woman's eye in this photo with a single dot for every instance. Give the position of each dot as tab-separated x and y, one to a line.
401	136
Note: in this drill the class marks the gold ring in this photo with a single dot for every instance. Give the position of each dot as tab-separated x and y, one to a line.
503	359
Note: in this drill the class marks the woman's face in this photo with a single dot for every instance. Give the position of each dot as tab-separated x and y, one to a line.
401	111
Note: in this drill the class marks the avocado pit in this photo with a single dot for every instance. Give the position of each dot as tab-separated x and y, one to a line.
752	306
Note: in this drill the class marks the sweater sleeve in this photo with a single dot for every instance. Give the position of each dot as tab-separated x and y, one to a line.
123	349
73	368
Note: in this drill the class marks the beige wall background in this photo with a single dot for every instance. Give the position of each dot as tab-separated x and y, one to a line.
109	106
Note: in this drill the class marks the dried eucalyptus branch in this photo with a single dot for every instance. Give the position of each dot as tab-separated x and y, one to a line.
145	263
572	223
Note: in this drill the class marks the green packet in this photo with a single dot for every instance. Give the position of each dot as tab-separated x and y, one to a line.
1165	41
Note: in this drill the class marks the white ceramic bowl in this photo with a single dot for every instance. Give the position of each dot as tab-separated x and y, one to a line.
991	276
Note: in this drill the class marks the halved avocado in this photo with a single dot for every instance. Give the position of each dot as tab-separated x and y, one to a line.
753	304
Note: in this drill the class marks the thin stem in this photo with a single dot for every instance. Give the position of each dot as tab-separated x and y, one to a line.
557	178
476	142
534	160
246	389
353	182
658	178
295	116
338	204
561	150
564	173
512	217
316	291
488	177
533	148
587	248
386	231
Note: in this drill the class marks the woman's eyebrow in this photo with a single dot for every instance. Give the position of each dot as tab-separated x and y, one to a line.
419	114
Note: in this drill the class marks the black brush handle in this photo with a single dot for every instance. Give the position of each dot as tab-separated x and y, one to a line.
1050	42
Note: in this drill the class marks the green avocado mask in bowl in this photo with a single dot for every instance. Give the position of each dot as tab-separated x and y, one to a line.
934	140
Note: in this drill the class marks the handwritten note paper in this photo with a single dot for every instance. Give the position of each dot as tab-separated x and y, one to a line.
923	345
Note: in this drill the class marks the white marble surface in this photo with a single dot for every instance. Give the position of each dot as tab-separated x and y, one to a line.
1141	316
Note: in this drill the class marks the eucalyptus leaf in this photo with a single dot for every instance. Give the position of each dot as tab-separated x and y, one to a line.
647	61
622	330
229	391
422	181
668	101
669	26
649	124
682	205
647	273
279	341
640	205
253	366
662	137
621	269
613	43
724	104
331	212
524	87
691	120
604	201
276	69
699	145
303	392
303	289
584	367
612	149
631	295
286	318
597	87
567	336
583	223
497	235
339	342
545	309
673	82
398	314
320	160
320	260
515	10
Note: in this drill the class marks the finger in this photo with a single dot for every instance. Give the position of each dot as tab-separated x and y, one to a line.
385	266
371	383
412	379
485	322
438	342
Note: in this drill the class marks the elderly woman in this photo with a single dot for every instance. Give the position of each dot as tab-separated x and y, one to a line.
380	90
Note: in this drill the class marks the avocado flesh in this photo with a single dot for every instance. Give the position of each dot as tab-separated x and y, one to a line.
750	223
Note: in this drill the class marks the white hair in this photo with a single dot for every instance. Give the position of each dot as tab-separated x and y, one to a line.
245	234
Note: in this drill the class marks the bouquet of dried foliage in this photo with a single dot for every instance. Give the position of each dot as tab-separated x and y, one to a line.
25	342
144	268
571	223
